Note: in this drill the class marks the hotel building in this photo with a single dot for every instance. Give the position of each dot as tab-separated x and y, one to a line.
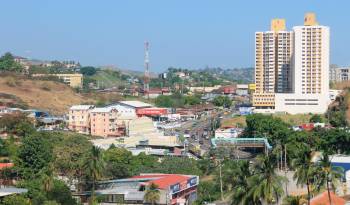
292	68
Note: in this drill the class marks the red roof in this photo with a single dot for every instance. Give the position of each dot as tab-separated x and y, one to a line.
322	199
164	180
6	165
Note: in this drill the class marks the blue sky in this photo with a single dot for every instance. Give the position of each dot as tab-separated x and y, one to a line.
182	33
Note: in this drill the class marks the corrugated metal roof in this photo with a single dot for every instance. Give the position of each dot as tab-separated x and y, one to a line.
11	190
136	104
81	107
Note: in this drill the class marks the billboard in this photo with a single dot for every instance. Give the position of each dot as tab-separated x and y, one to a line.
192	182
152	111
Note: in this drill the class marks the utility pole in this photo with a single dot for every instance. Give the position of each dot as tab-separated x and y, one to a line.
221	186
285	167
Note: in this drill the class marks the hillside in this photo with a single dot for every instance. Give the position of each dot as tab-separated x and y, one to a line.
108	78
50	96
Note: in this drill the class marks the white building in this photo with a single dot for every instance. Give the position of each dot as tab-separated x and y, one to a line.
127	109
227	132
339	74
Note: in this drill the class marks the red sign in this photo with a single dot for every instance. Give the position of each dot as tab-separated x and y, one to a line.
152	111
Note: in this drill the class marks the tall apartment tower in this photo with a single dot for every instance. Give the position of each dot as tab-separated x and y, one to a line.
273	54
311	57
292	68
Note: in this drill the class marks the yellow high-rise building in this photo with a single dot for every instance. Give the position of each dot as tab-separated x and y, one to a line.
273	54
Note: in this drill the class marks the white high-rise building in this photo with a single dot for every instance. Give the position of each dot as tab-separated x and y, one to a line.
301	71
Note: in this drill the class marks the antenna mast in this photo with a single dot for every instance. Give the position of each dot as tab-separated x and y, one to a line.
147	76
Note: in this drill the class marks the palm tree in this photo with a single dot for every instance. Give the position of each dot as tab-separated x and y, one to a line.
152	194
94	166
305	170
265	184
239	175
329	175
48	178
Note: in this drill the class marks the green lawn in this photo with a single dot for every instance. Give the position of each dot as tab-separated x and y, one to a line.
107	79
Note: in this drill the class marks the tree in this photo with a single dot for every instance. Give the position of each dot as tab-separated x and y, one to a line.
178	165
16	124
222	101
94	166
152	194
238	178
333	141
329	175
8	63
70	153
208	191
265	184
15	200
60	193
304	168
51	203
316	119
192	100
273	128
164	101
34	156
118	163
88	70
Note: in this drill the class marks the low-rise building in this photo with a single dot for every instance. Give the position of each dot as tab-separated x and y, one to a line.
74	80
227	132
339	74
204	89
79	118
242	89
174	189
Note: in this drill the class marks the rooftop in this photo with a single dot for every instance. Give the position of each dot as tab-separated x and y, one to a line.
136	104
6	165
164	180
102	109
81	107
11	190
323	199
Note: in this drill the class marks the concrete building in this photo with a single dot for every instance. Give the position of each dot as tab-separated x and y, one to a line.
229	132
79	118
104	123
242	89
339	74
291	71
204	89
174	189
74	80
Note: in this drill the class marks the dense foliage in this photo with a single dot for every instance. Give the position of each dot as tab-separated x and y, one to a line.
222	101
177	100
7	63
